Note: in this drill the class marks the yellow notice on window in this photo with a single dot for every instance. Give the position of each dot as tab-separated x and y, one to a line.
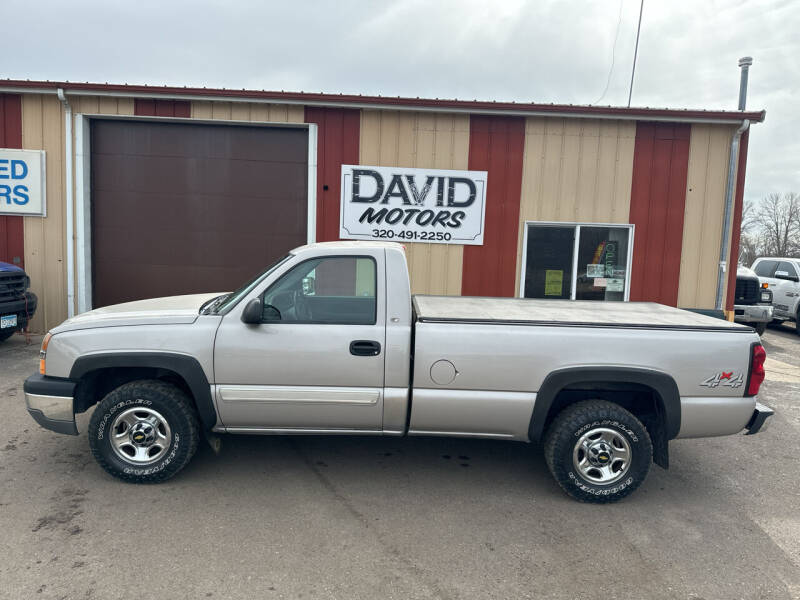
553	282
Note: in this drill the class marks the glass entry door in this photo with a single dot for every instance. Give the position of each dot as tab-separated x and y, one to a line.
602	263
548	268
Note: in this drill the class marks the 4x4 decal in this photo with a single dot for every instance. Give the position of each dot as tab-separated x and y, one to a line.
726	378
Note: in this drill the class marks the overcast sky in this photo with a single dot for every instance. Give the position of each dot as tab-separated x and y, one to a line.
503	50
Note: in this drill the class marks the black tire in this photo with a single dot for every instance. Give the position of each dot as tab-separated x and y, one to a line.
760	328
6	333
577	420
179	429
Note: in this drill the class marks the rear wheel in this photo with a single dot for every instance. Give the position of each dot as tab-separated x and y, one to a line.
760	328
597	451
6	333
144	431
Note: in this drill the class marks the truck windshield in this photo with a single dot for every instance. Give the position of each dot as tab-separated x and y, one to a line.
230	300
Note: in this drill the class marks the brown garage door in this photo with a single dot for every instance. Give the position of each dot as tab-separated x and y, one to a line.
185	208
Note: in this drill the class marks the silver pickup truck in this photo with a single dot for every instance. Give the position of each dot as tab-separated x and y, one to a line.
329	340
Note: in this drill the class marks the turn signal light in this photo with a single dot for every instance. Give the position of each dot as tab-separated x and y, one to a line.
765	285
43	352
757	372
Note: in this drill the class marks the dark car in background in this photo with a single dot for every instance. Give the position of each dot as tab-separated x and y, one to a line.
17	303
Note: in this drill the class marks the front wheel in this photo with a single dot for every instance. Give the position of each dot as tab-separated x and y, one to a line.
597	451
144	431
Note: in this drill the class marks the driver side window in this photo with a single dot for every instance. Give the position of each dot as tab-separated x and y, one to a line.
331	290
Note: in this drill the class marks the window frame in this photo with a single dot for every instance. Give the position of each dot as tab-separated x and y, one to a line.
576	241
374	322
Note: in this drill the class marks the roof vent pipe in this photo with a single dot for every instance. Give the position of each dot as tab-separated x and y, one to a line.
744	64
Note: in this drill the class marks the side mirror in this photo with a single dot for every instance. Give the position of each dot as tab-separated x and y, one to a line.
252	312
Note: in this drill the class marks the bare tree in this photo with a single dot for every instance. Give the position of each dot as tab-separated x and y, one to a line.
774	229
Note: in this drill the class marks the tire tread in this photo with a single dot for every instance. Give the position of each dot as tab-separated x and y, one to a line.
179	401
569	419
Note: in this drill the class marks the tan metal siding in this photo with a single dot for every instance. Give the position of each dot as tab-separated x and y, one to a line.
705	203
575	170
45	238
248	111
421	140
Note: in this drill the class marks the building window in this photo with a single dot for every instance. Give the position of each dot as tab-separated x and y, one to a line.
578	261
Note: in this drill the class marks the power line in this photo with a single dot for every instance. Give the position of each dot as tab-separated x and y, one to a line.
635	52
613	52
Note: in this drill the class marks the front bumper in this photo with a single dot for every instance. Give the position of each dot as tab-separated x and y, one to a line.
24	307
752	313
758	422
50	403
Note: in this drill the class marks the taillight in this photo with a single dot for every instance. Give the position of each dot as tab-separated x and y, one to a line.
757	373
43	353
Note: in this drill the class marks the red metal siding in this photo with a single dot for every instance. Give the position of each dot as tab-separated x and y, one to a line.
658	199
12	237
736	231
145	107
496	145
337	144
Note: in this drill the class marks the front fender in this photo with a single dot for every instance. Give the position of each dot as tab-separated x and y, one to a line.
185	366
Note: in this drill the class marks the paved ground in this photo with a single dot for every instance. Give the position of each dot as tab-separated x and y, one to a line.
385	518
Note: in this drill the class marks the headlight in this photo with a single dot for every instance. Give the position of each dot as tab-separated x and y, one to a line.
766	296
43	353
27	282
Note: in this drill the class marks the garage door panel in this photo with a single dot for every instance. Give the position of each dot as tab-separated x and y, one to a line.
176	175
179	209
172	216
234	143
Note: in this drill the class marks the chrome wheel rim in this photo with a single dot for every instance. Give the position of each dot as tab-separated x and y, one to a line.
602	456
140	435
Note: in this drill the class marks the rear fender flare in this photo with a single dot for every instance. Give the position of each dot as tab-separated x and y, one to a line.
662	384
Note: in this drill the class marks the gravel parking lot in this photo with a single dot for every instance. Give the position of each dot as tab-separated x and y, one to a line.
398	518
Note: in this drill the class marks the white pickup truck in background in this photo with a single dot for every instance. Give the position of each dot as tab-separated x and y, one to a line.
329	340
782	276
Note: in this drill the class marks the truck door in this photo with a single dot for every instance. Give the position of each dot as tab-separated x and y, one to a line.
316	361
786	288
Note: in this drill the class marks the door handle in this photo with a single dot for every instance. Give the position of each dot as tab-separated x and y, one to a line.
365	348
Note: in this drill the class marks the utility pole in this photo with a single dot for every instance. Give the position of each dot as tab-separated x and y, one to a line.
635	52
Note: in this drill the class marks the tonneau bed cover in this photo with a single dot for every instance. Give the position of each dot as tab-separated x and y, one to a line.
564	313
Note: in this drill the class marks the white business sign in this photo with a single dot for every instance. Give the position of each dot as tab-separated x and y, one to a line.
412	205
22	182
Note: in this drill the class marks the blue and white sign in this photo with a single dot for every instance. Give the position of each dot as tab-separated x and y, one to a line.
22	182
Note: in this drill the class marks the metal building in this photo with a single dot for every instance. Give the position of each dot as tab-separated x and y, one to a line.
151	191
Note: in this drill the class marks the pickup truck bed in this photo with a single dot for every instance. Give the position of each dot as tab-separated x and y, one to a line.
575	313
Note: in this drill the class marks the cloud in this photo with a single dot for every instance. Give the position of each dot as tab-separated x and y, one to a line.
513	50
